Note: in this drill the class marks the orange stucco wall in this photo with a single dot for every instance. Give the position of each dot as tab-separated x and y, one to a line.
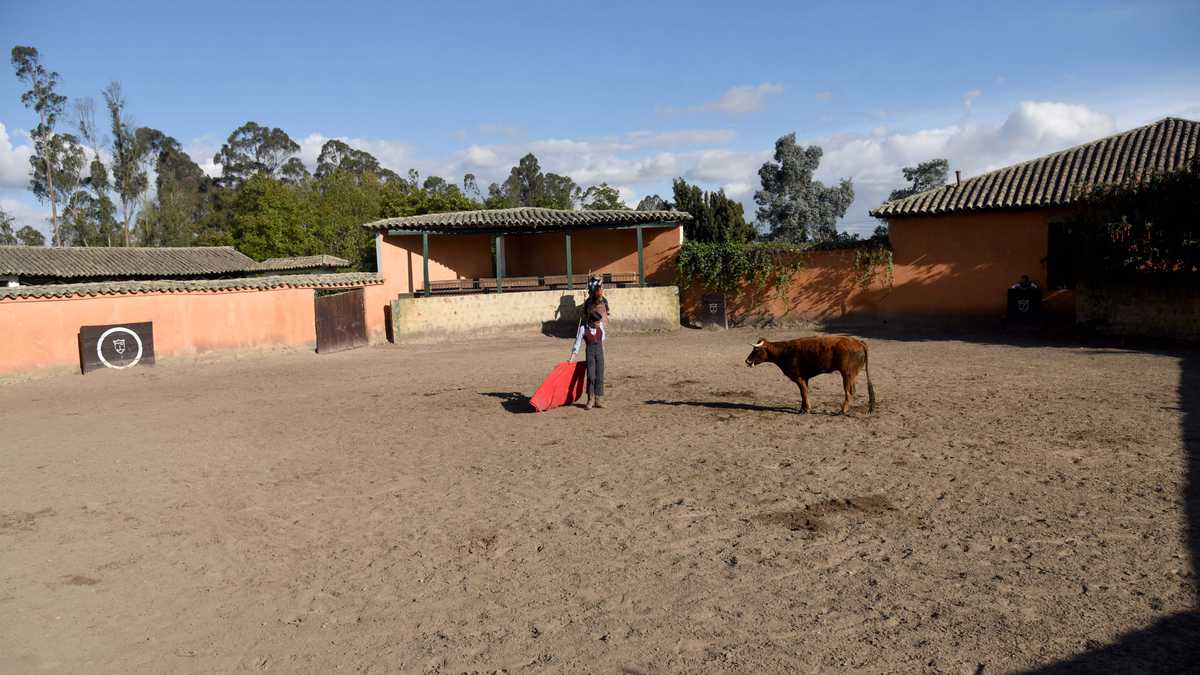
470	256
41	332
961	264
944	266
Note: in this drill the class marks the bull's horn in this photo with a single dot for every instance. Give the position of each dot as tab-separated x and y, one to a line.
759	343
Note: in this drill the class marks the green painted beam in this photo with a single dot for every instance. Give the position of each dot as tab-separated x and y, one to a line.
500	263
570	283
425	261
641	260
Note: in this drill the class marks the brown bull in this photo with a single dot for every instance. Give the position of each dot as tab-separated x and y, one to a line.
805	358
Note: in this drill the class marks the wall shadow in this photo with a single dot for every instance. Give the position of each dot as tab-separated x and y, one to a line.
1172	643
512	401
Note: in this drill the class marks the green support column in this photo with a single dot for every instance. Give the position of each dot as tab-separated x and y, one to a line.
425	261
499	263
570	281
641	260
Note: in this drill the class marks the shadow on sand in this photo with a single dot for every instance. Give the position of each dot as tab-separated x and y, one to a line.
511	401
726	405
1171	644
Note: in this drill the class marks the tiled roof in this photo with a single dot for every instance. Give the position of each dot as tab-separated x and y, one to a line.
144	261
202	286
75	262
525	218
1059	178
303	262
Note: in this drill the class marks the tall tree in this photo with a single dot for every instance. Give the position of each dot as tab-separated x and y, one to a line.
922	177
48	104
182	190
338	156
252	149
293	171
129	155
471	187
653	203
93	222
716	218
7	238
27	236
55	176
526	185
796	207
601	197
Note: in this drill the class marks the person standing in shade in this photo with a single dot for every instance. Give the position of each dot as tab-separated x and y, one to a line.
593	335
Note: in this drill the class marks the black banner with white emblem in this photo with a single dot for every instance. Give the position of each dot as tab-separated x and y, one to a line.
712	314
119	346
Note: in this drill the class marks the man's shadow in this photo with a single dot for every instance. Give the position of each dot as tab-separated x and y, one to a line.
566	318
511	401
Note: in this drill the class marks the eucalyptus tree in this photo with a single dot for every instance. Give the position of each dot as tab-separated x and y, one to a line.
794	206
43	98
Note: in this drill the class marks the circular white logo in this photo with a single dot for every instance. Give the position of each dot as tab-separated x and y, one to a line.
120	349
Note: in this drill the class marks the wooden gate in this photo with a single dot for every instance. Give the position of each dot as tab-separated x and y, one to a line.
341	321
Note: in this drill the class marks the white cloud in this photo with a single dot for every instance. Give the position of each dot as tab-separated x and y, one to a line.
14	159
201	150
746	98
970	96
25	211
874	161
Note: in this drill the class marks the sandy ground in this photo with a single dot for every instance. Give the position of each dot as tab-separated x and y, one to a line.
394	509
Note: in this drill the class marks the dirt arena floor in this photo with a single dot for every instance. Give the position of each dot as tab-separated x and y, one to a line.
396	509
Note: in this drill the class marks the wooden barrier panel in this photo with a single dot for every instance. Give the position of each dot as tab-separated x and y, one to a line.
341	322
117	346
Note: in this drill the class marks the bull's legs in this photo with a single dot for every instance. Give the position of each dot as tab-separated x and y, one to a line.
803	384
848	387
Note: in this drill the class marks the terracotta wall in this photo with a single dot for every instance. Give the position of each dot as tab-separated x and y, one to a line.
824	289
962	264
41	332
470	256
944	266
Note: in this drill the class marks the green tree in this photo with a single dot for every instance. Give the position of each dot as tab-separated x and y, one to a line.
471	187
717	218
922	177
48	104
653	203
92	219
293	171
65	158
338	156
272	219
7	238
601	197
253	149
796	207
182	202
27	236
526	185
129	155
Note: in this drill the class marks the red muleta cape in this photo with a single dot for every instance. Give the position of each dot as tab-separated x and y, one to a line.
563	387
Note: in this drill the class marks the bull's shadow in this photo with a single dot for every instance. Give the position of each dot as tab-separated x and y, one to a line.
731	405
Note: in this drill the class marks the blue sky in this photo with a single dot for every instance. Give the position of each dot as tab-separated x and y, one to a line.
629	93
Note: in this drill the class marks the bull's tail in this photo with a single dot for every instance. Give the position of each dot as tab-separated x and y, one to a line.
870	387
